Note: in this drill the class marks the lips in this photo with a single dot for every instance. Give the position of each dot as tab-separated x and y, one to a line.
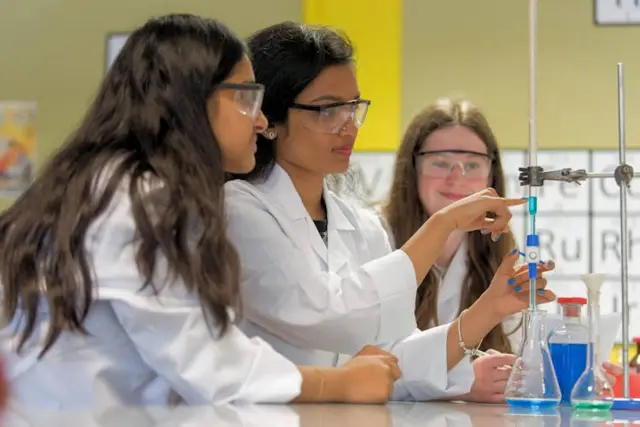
452	196
345	150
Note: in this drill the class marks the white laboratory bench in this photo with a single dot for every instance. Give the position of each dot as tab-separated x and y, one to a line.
327	415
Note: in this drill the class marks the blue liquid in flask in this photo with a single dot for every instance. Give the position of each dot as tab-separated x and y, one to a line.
534	404
569	362
532	384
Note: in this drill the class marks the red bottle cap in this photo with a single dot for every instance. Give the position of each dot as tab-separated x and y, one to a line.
572	300
636	340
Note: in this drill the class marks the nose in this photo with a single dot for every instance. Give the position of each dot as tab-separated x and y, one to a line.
261	123
455	173
349	128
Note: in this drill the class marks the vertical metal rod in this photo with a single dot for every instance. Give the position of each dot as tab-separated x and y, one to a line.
624	267
533	137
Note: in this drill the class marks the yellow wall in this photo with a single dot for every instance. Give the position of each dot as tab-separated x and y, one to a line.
378	55
480	49
53	52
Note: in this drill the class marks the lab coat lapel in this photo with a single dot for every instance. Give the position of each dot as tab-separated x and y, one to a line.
280	189
451	286
316	242
338	228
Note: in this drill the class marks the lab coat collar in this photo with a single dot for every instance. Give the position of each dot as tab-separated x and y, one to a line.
336	216
279	188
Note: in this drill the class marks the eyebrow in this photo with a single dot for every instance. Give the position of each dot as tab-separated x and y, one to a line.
334	98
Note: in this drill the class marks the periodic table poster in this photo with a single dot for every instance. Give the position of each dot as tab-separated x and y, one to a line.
578	225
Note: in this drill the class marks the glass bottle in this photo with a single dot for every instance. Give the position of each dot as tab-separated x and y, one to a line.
568	346
533	382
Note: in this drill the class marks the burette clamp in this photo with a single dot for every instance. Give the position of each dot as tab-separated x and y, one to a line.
535	176
531	175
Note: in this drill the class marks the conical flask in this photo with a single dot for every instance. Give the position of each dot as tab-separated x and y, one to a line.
593	391
533	382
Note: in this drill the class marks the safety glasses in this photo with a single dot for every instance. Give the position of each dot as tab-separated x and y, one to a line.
248	97
332	118
441	163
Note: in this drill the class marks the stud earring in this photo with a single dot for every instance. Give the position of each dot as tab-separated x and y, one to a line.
270	134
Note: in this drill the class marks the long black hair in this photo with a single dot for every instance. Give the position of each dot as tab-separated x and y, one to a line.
148	119
286	58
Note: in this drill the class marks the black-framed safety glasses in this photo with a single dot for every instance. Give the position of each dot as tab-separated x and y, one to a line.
332	118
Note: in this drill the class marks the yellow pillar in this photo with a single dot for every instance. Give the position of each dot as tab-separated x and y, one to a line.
375	28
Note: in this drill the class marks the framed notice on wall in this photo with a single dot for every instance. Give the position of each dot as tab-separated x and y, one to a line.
115	42
616	12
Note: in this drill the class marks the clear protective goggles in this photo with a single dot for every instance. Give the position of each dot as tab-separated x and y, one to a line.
441	163
334	117
248	97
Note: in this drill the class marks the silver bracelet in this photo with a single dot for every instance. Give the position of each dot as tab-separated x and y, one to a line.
474	352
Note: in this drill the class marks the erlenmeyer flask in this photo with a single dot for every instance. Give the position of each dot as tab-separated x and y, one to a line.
533	382
593	391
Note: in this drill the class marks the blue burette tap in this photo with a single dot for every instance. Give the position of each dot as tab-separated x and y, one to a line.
533	241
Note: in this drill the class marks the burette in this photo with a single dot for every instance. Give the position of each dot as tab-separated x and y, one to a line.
533	241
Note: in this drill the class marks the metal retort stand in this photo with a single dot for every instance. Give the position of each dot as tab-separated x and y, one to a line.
535	176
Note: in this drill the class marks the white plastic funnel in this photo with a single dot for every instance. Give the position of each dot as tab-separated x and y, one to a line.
593	281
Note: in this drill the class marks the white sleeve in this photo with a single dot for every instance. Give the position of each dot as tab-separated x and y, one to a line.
423	361
173	338
287	296
170	331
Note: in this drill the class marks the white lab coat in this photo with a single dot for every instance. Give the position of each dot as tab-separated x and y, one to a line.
319	305
140	347
450	292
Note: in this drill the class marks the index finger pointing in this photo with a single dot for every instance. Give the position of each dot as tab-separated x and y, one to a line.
515	202
501	205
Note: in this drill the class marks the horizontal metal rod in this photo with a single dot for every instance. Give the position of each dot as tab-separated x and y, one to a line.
606	174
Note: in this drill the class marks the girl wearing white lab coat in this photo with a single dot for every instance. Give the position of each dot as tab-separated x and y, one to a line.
450	152
118	281
319	277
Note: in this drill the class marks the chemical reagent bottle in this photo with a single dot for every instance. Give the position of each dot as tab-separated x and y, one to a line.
568	345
